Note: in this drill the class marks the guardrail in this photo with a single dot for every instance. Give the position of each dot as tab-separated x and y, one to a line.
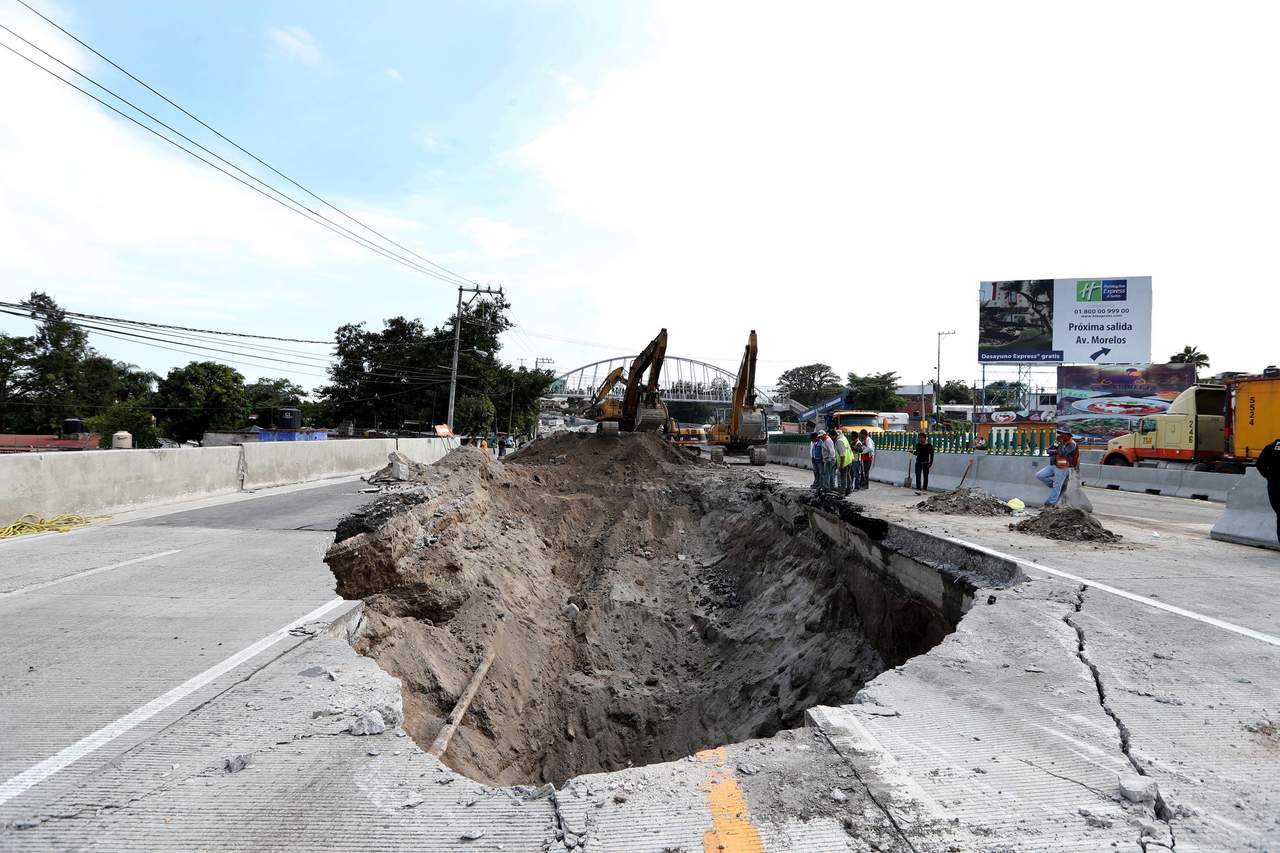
1022	443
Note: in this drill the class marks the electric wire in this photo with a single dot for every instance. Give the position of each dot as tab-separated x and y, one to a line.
456	278
300	210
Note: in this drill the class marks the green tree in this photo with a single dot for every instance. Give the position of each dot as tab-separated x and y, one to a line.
200	397
1004	393
1191	355
473	416
809	383
954	391
133	416
876	392
265	396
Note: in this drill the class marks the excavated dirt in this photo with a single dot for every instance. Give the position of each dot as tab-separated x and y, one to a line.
964	502
644	606
1066	523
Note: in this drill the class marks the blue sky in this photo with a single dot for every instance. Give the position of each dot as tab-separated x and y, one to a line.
838	176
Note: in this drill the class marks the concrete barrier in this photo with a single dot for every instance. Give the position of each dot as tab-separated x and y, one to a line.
1176	482
1248	518
98	482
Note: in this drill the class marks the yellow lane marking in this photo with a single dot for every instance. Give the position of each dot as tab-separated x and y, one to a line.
731	828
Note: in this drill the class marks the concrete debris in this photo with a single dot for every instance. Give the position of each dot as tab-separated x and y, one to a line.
1066	524
472	835
1096	821
965	502
570	611
839	796
236	763
748	769
1139	789
368	723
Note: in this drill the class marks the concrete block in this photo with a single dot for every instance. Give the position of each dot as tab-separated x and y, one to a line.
1248	518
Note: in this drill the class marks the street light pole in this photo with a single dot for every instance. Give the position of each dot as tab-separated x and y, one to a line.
938	376
457	342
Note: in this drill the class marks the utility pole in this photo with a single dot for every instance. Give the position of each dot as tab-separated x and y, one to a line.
457	342
938	376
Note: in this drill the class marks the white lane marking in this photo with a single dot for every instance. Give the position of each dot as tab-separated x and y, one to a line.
1131	596
73	753
86	573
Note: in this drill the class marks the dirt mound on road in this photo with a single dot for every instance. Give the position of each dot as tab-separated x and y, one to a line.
964	502
698	617
1066	523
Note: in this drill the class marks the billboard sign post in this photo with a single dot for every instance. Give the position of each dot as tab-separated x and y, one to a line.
1065	320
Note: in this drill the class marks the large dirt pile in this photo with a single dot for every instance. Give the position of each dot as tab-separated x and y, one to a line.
1066	523
964	502
696	619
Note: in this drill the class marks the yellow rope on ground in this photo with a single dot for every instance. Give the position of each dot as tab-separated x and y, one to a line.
58	524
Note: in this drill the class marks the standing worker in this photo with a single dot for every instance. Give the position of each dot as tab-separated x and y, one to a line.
815	456
855	466
844	461
1269	468
828	461
924	460
1063	459
868	457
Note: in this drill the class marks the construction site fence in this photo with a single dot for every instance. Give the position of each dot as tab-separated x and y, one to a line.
1022	443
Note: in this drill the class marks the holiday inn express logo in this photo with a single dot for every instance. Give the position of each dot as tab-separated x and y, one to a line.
1100	290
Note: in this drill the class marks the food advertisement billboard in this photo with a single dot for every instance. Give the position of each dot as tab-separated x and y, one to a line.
1100	402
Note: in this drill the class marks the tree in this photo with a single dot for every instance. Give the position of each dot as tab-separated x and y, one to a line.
132	416
1191	355
809	383
955	392
876	392
200	397
1004	393
263	397
473	416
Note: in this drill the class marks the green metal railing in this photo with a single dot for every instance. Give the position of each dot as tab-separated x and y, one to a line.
1020	443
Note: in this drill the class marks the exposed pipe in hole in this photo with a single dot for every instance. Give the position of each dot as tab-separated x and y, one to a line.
451	723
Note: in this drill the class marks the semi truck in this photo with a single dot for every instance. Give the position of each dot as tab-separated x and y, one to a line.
1207	427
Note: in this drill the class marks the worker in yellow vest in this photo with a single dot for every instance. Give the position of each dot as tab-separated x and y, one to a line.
844	458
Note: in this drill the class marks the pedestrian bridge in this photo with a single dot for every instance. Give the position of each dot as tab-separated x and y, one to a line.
682	380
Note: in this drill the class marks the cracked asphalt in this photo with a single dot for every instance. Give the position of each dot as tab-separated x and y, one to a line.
1013	734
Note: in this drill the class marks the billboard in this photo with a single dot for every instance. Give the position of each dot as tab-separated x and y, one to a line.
1065	320
1098	402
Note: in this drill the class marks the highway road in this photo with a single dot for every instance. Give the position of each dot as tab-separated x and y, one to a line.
100	622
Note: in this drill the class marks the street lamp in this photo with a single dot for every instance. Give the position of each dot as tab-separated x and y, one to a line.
938	376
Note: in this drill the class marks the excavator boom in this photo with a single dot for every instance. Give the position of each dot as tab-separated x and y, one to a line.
642	409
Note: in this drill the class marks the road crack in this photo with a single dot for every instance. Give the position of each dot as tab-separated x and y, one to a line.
1162	810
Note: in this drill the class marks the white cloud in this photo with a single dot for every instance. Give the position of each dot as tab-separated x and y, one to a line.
295	44
574	90
393	74
894	156
498	240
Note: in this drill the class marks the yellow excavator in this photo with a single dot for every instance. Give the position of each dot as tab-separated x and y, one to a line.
747	430
641	408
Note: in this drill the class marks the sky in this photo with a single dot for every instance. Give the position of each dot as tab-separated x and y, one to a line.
837	176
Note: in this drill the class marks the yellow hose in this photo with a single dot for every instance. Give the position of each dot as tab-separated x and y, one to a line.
58	524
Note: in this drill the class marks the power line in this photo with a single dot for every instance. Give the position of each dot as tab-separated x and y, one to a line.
178	328
457	278
301	209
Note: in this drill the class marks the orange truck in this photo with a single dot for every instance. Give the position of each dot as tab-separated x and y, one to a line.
1207	427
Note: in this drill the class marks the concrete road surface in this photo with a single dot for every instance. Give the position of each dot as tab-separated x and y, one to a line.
100	622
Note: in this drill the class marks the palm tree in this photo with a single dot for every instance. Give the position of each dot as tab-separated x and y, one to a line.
1192	356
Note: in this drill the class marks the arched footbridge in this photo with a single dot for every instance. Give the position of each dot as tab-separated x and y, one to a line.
682	380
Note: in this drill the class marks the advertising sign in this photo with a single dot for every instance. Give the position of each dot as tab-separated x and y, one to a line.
1015	321
1102	320
1099	402
1065	320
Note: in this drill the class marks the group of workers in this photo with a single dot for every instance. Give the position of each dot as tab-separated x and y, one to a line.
839	464
842	462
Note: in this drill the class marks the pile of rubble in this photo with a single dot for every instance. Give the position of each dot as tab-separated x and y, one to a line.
965	502
399	471
1067	524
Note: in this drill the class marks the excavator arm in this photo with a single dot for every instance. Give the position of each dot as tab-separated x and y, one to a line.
744	390
650	359
606	386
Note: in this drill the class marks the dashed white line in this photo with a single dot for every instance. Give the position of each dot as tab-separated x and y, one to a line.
35	775
86	573
1124	593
